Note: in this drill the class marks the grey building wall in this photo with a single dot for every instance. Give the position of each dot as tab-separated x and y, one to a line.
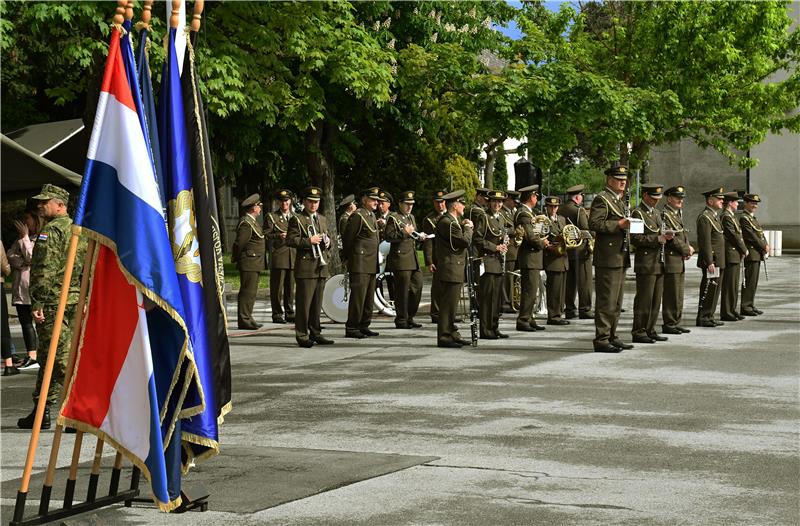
776	178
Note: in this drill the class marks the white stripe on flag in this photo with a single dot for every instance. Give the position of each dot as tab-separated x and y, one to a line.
119	142
129	413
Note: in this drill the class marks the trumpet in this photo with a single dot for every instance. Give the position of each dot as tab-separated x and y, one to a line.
317	249
417	236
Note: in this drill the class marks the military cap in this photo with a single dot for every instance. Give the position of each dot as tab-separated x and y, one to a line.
675	191
716	192
407	197
371	192
457	195
482	191
496	195
51	191
528	190
513	194
438	195
618	171
347	200
753	198
552	200
252	200
731	196
577	189
653	189
384	196
284	195
312	193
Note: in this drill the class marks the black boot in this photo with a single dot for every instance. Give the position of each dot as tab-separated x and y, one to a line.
27	422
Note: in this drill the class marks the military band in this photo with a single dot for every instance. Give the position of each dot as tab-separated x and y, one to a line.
556	264
735	251
309	235
281	259
401	232
710	257
507	237
757	251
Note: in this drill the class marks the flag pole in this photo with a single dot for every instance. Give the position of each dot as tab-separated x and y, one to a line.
197	15
22	493
76	332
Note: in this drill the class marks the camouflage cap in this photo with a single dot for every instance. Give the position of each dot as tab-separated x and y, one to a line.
51	191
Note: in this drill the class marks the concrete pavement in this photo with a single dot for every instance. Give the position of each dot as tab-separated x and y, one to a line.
702	429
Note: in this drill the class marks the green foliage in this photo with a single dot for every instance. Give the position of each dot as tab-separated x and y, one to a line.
501	171
567	172
463	175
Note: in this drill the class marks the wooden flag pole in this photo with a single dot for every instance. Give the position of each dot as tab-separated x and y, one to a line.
69	491
147	12
91	494
22	494
76	332
176	10
197	15
128	9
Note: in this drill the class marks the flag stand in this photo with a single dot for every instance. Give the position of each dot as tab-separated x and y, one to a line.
69	509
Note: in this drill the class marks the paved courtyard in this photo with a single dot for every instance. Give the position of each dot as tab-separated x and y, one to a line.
703	429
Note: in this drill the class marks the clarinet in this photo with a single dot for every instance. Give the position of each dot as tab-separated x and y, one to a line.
473	299
626	243
663	231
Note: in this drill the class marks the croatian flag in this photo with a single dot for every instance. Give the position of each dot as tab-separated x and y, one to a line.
116	391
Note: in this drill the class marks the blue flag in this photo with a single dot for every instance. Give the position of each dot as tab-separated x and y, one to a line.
200	430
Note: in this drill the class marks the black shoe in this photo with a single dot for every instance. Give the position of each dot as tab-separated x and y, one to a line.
305	343
683	329
414	325
616	342
557	322
758	312
462	341
570	316
258	325
508	310
489	337
671	330
729	318
642	338
501	335
322	340
435	321
278	319
70	430
27	422
353	334
10	370
368	332
718	323
537	327
749	313
706	323
657	337
607	348
525	328
402	325
587	315
248	326
739	317
290	318
449	344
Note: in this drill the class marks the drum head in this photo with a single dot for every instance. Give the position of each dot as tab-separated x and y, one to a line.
335	298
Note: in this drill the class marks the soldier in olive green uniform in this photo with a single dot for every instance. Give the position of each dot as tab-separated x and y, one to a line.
453	238
609	220
648	266
307	230
360	241
47	272
676	251
248	252
403	264
579	277
429	228
556	264
710	257
735	252
477	214
757	252
529	257
281	259
347	207
508	211
490	239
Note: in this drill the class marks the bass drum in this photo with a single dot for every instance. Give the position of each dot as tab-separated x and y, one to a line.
336	298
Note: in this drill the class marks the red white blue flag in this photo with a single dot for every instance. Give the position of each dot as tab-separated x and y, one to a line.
134	365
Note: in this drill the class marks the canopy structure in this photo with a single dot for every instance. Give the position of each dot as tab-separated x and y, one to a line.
53	152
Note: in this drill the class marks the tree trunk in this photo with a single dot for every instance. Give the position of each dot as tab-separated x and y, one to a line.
491	157
319	163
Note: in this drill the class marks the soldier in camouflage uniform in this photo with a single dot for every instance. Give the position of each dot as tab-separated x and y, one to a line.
47	273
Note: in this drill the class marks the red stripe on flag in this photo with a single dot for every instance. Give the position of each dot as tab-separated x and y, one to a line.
110	324
115	81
